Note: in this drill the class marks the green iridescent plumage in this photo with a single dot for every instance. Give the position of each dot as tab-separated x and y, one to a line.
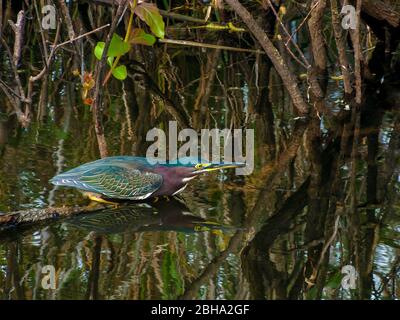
114	177
121	183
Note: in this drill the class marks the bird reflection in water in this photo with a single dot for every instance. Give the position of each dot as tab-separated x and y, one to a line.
171	215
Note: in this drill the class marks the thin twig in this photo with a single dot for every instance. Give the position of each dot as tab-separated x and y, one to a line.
301	24
46	54
208	45
81	36
329	242
306	64
180	17
10	90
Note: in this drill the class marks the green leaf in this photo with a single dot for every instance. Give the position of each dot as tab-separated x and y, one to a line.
110	61
120	72
149	13
98	50
118	46
139	36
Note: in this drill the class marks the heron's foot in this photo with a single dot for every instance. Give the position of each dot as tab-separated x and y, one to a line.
156	199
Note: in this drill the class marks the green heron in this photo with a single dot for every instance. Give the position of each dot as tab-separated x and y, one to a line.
120	178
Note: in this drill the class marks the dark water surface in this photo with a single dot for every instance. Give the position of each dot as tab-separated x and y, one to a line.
169	249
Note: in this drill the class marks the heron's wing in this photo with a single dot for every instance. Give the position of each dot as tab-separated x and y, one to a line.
114	182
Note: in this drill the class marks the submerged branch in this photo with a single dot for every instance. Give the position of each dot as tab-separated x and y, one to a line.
31	216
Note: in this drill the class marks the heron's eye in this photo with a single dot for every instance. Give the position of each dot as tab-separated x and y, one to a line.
199	166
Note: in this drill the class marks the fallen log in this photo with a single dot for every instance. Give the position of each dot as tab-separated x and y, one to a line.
31	216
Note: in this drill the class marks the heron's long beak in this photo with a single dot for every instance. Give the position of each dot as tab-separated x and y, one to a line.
220	166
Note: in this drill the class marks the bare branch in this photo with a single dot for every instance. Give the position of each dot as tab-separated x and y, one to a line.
18	29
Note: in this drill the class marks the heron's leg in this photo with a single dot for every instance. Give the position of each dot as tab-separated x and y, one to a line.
98	198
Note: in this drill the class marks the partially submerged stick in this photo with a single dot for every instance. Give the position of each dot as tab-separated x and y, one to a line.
31	216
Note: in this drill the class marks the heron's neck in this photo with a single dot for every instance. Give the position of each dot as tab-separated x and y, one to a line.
174	176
